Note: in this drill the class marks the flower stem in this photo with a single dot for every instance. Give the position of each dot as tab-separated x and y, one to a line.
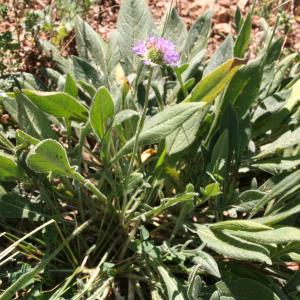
91	187
140	127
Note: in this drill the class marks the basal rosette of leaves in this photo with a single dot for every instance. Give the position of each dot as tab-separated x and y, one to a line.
153	181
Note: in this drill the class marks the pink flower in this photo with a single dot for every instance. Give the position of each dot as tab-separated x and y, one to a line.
157	51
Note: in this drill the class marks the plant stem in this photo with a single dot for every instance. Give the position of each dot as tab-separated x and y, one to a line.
135	147
91	187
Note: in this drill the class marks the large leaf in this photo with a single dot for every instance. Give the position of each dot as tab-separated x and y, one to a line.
278	164
163	124
174	288
61	63
12	206
207	263
244	225
276	236
280	73
29	81
245	289
243	39
287	140
102	112
32	120
215	82
198	35
85	71
230	246
290	182
112	56
186	134
175	29
50	156
124	115
59	104
275	109
278	217
9	170
221	55
134	24
90	45
244	87
70	86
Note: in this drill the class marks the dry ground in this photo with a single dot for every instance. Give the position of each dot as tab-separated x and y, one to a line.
102	15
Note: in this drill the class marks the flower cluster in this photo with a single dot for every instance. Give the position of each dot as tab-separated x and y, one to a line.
157	51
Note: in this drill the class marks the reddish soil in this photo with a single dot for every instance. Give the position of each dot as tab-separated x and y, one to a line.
103	16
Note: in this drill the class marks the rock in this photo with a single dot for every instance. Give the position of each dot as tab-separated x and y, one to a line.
222	15
223	28
225	3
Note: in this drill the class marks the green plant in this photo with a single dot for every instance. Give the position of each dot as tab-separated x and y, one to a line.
153	182
7	46
3	10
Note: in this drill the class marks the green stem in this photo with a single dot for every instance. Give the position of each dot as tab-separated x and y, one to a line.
91	187
135	147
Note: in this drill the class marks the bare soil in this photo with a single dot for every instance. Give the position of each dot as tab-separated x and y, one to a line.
102	16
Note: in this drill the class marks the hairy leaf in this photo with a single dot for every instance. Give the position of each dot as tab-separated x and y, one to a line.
231	246
244	225
32	120
9	169
59	104
49	156
162	124
245	289
198	35
89	44
175	29
215	82
277	236
174	288
102	112
134	24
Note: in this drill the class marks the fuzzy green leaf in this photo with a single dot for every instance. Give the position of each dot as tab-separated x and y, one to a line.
243	39
89	44
198	35
9	170
134	24
239	225
59	104
215	82
102	112
50	156
277	236
163	124
32	120
233	247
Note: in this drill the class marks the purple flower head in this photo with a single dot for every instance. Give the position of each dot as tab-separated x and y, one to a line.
157	51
